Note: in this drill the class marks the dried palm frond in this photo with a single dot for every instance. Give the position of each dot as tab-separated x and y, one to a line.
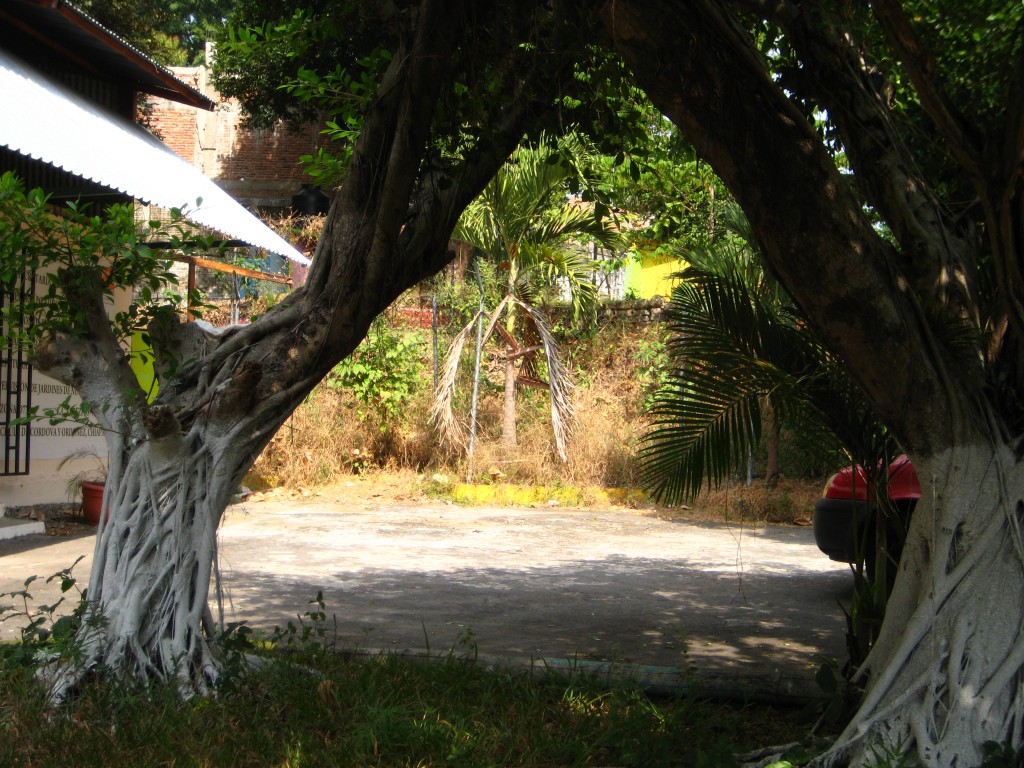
559	385
452	430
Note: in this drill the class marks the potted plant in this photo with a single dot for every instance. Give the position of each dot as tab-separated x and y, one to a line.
88	484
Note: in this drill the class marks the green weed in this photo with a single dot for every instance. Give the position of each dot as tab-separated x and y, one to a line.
383	373
45	629
309	705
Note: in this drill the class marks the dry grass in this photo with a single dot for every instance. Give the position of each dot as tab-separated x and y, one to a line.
608	429
318	442
790	502
313	447
327	447
325	440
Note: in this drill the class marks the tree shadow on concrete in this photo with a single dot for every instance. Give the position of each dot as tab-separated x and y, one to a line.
756	630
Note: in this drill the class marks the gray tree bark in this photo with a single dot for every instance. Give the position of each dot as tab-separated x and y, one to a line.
175	464
946	673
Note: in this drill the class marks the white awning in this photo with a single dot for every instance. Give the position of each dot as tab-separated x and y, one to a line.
43	120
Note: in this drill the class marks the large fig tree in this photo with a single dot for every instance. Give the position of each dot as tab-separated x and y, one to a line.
444	110
908	263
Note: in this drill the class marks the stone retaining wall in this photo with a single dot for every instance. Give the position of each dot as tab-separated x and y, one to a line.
639	311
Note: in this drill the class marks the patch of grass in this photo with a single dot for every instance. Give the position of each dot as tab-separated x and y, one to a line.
514	495
307	704
787	503
338	710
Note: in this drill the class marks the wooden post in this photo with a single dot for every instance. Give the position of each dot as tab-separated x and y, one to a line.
191	286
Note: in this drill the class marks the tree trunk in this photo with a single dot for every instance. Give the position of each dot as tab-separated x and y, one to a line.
772	431
509	438
945	675
151	570
173	466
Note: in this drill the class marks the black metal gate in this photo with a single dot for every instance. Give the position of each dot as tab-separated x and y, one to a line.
15	380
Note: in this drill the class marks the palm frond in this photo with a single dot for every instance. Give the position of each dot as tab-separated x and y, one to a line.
841	405
559	384
570	266
720	321
496	317
525	202
729	349
451	430
476	227
697	439
572	219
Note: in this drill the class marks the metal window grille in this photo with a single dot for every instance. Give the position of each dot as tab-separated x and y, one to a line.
15	378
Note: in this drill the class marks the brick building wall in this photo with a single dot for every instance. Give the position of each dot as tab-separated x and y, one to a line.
260	168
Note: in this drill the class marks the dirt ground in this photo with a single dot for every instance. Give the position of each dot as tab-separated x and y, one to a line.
740	606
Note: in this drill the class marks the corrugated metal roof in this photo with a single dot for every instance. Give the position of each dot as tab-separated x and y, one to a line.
47	122
48	32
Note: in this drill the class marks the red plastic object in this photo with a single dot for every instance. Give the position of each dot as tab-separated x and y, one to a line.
903	483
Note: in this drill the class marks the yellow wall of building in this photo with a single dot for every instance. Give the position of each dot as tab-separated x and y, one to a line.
652	276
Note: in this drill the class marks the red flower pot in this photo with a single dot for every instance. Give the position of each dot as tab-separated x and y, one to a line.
92	501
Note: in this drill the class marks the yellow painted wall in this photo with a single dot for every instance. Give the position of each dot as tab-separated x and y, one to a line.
652	276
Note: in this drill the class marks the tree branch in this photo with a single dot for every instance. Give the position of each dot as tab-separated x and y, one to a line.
1013	152
938	261
93	363
704	73
963	138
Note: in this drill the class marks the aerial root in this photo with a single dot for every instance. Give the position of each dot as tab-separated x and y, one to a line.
764	756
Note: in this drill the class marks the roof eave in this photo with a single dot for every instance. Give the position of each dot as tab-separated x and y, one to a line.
168	86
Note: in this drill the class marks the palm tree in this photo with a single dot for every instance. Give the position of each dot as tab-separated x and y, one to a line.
740	351
522	221
738	343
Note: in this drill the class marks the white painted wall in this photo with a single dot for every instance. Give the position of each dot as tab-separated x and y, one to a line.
50	444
